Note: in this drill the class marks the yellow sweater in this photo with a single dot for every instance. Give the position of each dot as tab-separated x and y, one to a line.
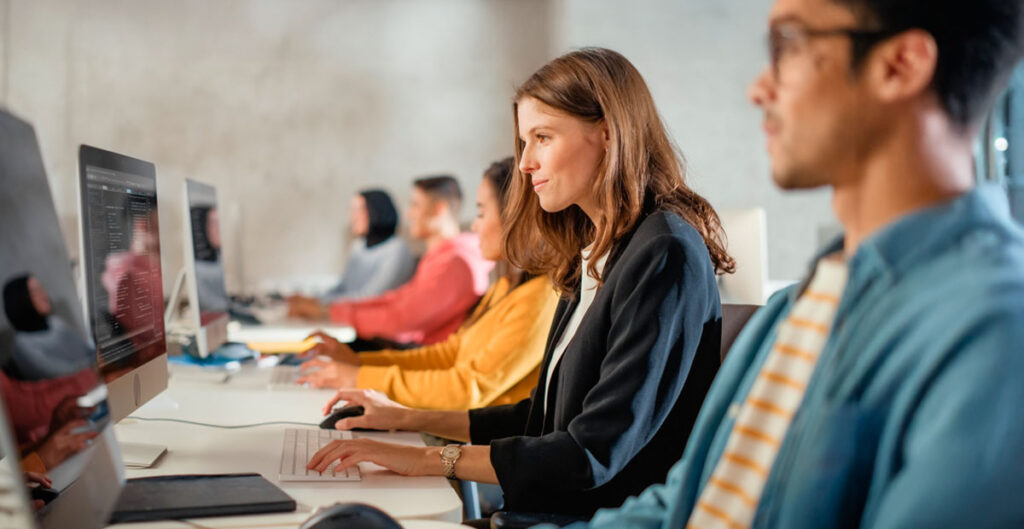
493	361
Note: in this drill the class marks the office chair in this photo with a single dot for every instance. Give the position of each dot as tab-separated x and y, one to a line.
746	235
734	317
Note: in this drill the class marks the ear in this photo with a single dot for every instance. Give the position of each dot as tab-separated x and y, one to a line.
606	136
903	66
438	207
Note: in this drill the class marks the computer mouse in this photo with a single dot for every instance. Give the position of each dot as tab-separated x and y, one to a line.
350	516
341	413
43	493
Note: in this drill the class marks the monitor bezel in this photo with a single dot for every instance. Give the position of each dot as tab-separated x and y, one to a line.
134	388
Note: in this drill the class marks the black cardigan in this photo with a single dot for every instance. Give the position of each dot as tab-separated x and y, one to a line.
628	387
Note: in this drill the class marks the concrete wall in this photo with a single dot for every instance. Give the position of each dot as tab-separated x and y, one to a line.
290	107
698	57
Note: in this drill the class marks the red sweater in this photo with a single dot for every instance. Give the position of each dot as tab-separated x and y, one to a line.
450	278
30	404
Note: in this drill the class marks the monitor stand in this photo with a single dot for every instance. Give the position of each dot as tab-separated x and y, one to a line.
141	455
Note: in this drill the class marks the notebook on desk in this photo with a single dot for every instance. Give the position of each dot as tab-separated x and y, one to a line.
198	496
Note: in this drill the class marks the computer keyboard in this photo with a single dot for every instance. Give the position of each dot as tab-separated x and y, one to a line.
284	377
299	447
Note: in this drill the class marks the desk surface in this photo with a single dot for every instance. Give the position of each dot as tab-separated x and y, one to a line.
245	399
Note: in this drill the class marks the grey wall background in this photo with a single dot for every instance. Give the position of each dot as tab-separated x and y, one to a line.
290	107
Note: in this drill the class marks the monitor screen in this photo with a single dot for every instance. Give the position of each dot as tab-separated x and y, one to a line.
204	221
49	383
121	257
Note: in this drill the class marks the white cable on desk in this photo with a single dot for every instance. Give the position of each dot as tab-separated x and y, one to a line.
232	427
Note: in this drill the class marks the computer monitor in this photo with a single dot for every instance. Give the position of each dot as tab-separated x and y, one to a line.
204	268
49	381
120	255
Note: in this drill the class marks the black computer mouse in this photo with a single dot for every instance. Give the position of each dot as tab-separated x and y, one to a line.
350	516
341	413
43	493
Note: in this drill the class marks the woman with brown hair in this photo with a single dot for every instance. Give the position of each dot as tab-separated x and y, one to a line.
635	340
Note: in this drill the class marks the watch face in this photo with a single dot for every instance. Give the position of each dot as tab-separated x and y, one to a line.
451	451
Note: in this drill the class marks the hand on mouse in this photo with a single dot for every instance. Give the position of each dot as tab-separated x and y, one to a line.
331	347
323	373
35	479
402	459
379	412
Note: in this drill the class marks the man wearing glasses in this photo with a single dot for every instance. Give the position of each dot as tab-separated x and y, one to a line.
885	390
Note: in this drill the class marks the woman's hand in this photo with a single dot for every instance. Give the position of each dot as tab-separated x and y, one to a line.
35	479
32	478
328	374
332	348
379	412
62	444
66	411
402	459
306	308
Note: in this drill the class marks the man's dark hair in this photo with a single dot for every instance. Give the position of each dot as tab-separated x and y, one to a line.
442	187
979	44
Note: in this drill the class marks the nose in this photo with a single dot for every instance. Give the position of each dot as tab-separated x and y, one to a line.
762	90
475	227
527	161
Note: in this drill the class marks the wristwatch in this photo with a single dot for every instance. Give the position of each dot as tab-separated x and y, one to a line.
449	455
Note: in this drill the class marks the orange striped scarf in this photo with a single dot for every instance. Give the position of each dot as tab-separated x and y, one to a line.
730	498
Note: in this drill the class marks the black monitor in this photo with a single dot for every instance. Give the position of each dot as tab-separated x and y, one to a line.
120	249
49	381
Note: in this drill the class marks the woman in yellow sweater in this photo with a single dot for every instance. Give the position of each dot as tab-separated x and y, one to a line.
493	359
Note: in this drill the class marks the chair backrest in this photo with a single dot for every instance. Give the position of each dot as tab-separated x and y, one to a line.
734	317
746	236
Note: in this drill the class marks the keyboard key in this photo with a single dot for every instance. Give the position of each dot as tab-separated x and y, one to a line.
299	447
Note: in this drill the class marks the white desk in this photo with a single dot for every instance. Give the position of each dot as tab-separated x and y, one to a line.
245	399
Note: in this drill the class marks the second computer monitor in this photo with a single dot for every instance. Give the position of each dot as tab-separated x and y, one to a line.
120	249
204	267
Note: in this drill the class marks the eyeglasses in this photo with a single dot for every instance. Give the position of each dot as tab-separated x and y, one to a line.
787	37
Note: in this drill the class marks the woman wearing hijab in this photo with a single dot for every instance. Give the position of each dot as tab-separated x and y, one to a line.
379	260
45	346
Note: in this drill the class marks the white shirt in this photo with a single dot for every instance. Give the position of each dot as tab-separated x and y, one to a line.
588	289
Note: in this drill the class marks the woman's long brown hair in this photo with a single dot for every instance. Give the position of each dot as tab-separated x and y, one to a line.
641	164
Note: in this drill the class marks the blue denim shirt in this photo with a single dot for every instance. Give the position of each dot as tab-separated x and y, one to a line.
914	416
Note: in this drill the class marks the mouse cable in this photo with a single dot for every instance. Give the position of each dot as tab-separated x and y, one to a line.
226	427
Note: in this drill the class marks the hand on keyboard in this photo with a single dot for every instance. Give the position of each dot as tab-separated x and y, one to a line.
402	459
299	444
329	374
329	346
379	412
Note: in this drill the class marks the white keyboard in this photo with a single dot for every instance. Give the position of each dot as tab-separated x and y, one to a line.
299	447
284	377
